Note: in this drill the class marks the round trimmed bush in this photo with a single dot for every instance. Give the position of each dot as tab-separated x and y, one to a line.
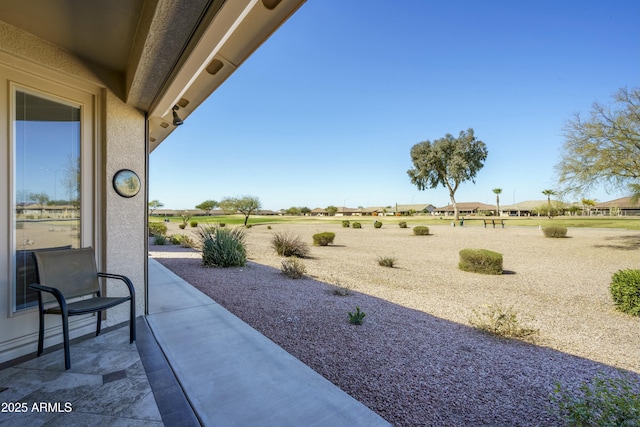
377	224
625	290
402	224
356	225
481	261
421	230
323	239
345	224
554	231
193	224
157	228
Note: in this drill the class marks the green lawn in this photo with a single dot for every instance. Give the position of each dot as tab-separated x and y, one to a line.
629	223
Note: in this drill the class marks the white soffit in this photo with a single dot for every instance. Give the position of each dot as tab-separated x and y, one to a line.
238	29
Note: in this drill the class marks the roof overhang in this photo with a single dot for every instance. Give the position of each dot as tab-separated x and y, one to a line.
161	52
219	47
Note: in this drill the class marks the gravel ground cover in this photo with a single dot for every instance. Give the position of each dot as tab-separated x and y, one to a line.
416	360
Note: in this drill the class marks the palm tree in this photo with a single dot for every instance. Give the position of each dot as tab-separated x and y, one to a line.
549	193
497	191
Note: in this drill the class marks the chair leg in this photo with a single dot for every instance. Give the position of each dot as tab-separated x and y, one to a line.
132	322
41	334
98	322
65	334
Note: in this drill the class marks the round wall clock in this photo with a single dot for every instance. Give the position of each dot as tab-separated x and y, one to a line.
126	183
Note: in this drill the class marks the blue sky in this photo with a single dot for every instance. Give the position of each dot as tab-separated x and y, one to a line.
327	110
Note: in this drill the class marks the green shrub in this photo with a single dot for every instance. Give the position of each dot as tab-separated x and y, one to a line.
293	268
357	317
183	240
377	224
386	261
159	239
182	226
345	224
323	239
625	290
268	227
356	225
421	230
402	224
193	224
222	224
554	231
223	247
480	261
157	229
600	402
502	321
286	244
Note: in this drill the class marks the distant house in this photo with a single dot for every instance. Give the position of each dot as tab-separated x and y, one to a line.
466	208
525	208
344	211
532	207
319	212
413	209
621	207
373	211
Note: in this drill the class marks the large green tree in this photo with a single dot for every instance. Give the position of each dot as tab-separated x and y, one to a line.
245	205
447	161
207	206
153	205
603	149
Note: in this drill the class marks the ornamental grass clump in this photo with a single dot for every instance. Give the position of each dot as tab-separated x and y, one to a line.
159	239
502	321
421	230
625	291
386	261
480	261
287	244
554	231
293	268
223	247
323	239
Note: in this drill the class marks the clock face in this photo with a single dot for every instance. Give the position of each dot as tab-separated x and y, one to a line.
126	183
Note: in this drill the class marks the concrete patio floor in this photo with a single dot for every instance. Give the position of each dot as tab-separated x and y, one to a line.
194	363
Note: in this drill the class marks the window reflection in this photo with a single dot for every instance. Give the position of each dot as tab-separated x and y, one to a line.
46	185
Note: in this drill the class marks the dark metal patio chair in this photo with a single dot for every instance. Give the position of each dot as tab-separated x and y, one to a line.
71	274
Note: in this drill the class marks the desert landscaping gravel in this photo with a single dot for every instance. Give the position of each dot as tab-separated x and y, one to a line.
416	360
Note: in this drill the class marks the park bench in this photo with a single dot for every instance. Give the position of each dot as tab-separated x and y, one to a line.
493	222
71	274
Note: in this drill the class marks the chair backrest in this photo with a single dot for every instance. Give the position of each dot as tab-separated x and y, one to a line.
72	271
26	274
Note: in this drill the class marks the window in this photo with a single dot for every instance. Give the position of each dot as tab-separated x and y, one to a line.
47	180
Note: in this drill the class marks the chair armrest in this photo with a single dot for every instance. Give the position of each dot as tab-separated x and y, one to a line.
62	302
125	279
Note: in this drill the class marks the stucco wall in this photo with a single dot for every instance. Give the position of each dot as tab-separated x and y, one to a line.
124	217
120	143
